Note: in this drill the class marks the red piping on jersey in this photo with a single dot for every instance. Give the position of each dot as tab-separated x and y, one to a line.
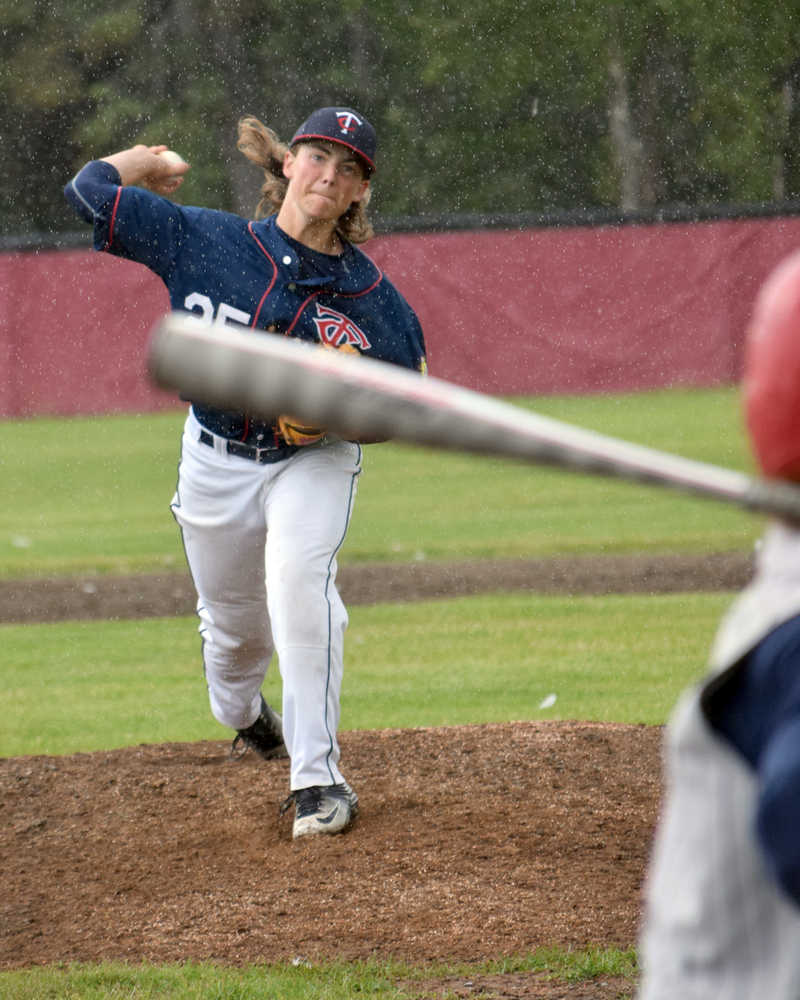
110	239
299	313
344	295
266	253
261	301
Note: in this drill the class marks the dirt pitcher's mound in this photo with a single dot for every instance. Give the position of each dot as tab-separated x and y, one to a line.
473	842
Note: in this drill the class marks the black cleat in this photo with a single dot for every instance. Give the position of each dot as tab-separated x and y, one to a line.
265	736
322	809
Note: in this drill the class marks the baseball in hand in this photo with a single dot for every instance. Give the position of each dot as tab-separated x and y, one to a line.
173	159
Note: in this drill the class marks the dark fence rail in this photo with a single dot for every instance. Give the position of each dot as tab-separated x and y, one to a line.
449	222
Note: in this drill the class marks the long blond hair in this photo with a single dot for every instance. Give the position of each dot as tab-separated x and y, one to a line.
263	148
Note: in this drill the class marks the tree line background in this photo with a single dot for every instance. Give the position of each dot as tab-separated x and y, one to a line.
488	107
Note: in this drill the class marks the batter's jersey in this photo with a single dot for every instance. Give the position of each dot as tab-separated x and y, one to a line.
717	922
224	268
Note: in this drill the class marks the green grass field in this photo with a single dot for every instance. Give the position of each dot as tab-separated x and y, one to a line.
81	686
92	495
332	981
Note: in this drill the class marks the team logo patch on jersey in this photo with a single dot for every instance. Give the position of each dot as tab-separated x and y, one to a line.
335	329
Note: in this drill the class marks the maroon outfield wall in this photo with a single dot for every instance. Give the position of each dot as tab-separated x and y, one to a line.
533	312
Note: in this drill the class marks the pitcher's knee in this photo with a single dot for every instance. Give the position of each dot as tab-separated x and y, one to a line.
232	646
235	631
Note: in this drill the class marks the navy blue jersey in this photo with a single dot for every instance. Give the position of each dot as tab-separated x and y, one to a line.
756	706
227	269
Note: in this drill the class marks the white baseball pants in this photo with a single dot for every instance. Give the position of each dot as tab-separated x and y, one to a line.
262	542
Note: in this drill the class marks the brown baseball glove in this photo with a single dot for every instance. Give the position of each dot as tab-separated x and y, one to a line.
297	432
293	431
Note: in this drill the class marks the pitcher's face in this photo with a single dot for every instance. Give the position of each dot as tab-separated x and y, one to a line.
325	178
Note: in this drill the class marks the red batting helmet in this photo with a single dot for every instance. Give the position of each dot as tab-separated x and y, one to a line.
772	372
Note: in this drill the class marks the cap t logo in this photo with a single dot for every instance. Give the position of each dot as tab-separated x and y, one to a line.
347	121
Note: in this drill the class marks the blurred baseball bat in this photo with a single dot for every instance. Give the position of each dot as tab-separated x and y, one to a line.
233	368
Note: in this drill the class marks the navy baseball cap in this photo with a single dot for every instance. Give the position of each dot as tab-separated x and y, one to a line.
342	125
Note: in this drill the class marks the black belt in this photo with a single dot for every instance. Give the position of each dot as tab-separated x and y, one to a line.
261	455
